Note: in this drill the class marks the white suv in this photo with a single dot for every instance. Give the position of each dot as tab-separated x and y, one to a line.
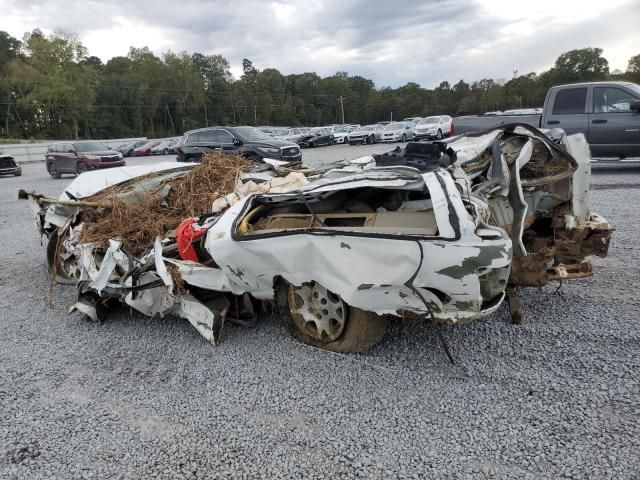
438	126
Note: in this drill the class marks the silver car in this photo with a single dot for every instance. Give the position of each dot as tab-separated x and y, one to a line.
367	134
437	126
397	132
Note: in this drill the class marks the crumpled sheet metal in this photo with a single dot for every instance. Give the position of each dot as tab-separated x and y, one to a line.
343	263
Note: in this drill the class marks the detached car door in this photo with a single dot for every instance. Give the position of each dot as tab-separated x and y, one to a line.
568	110
614	129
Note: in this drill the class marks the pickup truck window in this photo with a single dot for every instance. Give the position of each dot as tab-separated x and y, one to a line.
612	100
570	101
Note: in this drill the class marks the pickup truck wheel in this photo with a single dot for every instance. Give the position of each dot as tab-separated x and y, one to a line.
63	265
322	319
439	134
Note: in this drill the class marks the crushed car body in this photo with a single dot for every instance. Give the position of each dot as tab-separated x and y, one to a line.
441	230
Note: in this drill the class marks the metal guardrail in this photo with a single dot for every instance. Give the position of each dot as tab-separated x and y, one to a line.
35	152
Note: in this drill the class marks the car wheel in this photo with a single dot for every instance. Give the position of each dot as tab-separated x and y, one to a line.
81	167
439	134
52	171
404	137
314	144
18	174
322	319
64	266
165	152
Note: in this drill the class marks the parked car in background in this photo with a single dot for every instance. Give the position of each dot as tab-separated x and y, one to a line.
8	165
341	134
291	134
607	113
437	126
412	119
397	132
366	134
164	147
145	149
384	122
247	141
317	137
79	157
126	149
173	145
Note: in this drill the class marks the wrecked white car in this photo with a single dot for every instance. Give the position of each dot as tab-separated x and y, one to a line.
441	231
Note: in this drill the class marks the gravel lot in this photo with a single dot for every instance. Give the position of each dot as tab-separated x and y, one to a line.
137	397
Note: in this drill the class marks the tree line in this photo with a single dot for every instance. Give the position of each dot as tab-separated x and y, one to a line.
51	88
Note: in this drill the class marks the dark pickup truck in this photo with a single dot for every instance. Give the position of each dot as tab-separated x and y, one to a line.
608	113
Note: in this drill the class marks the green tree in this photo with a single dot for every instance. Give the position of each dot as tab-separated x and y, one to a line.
581	65
63	93
634	64
9	51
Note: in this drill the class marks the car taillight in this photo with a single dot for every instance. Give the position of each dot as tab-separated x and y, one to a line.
452	132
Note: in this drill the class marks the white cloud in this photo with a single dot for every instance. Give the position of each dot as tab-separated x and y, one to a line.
390	42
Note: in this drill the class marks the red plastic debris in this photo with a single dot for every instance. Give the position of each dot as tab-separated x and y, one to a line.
186	233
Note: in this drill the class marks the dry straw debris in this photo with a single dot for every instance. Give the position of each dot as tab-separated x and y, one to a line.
191	194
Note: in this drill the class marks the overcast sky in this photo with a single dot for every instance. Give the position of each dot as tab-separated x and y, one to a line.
392	42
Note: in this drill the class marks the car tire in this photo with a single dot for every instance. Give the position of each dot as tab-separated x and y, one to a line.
314	144
18	174
81	167
404	138
165	152
439	135
52	171
357	331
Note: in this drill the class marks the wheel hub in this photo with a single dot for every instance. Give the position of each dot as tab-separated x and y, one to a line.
69	266
317	312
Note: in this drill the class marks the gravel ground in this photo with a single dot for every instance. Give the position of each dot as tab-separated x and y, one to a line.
135	397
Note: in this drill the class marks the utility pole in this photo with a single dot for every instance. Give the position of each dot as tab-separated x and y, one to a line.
341	100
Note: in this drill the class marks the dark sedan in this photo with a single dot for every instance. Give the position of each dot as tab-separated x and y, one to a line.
316	138
126	149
